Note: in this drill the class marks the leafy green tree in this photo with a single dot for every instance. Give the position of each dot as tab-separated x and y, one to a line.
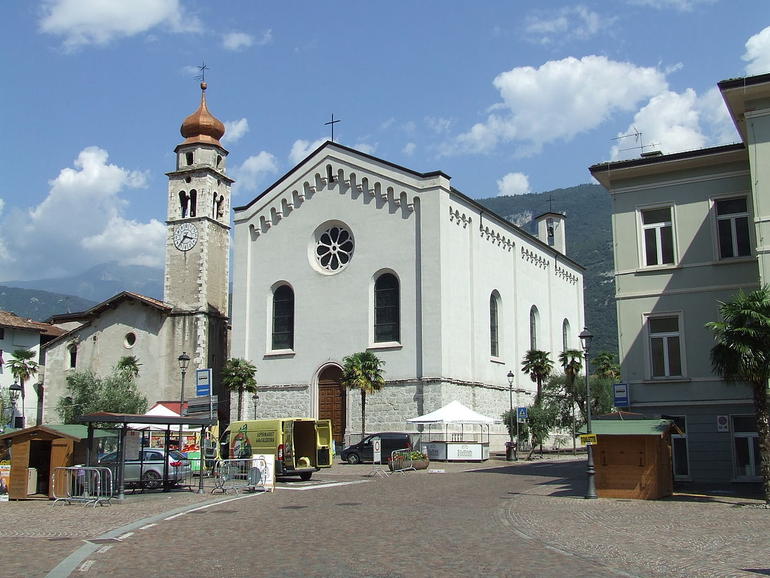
605	366
571	362
363	371
238	375
541	418
538	366
23	367
89	393
742	353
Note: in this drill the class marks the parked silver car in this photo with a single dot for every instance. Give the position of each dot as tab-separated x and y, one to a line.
148	471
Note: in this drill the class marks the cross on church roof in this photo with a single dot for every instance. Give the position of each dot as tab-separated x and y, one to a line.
332	122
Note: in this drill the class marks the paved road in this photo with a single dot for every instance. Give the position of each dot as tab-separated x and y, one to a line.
499	520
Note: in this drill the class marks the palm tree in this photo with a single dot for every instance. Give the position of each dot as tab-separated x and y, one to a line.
571	362
742	353
238	375
605	366
23	368
363	371
130	364
538	365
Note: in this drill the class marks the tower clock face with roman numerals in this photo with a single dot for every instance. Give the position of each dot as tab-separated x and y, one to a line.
185	236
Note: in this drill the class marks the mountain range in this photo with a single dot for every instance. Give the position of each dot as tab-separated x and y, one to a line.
589	242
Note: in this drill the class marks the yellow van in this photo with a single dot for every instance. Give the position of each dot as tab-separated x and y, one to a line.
301	445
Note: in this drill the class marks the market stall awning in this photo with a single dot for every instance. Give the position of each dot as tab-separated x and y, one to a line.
453	412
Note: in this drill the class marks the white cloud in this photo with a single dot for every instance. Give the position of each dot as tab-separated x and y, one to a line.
366	148
253	171
680	5
564	24
513	184
557	101
438	125
302	148
758	53
409	148
83	22
237	40
80	223
235	130
674	122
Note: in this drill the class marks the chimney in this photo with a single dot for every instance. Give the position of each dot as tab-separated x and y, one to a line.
550	230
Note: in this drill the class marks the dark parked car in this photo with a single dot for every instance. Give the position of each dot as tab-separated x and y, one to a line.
364	452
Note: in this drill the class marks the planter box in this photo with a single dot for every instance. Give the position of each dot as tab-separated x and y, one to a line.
416	464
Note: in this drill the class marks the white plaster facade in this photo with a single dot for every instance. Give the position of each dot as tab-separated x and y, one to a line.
449	256
664	301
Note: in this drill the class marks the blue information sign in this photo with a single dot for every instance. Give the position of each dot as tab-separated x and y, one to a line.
202	382
521	412
620	395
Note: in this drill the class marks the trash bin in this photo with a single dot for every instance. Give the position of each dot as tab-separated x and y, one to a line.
510	448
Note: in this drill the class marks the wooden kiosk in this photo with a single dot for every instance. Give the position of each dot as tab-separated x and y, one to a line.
37	451
633	458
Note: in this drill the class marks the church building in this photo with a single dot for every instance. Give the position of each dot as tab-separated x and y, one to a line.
348	252
192	318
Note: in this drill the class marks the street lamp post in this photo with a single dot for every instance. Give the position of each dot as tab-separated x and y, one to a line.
255	399
184	362
513	415
14	391
585	341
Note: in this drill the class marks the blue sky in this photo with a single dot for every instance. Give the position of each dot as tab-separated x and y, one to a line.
505	97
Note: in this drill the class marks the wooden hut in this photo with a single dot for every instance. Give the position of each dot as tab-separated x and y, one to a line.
37	451
633	458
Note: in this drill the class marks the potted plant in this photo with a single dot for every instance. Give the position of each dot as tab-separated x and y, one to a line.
408	459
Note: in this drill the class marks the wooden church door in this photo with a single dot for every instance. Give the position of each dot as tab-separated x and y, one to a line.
332	399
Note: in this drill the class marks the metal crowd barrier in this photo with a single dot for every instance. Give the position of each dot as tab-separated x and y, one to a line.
85	485
237	475
401	460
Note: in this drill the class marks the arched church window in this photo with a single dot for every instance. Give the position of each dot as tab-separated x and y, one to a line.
183	204
73	355
219	160
189	158
565	333
534	317
283	318
193	202
386	309
494	335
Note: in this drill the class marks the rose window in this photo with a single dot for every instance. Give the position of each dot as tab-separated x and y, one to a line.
334	248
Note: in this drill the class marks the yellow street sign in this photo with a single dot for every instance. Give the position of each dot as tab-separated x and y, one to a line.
586	439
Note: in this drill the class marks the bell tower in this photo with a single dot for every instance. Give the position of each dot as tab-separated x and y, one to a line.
198	231
198	251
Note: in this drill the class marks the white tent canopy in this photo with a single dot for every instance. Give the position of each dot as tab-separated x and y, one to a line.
453	412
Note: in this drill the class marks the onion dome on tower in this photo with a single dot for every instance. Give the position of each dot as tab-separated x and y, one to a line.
202	126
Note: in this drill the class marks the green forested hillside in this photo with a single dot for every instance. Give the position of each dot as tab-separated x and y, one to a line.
39	305
589	242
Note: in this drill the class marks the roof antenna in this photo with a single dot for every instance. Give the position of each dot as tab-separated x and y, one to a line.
637	138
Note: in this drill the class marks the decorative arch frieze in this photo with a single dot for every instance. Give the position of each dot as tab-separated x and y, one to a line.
566	274
534	258
329	177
